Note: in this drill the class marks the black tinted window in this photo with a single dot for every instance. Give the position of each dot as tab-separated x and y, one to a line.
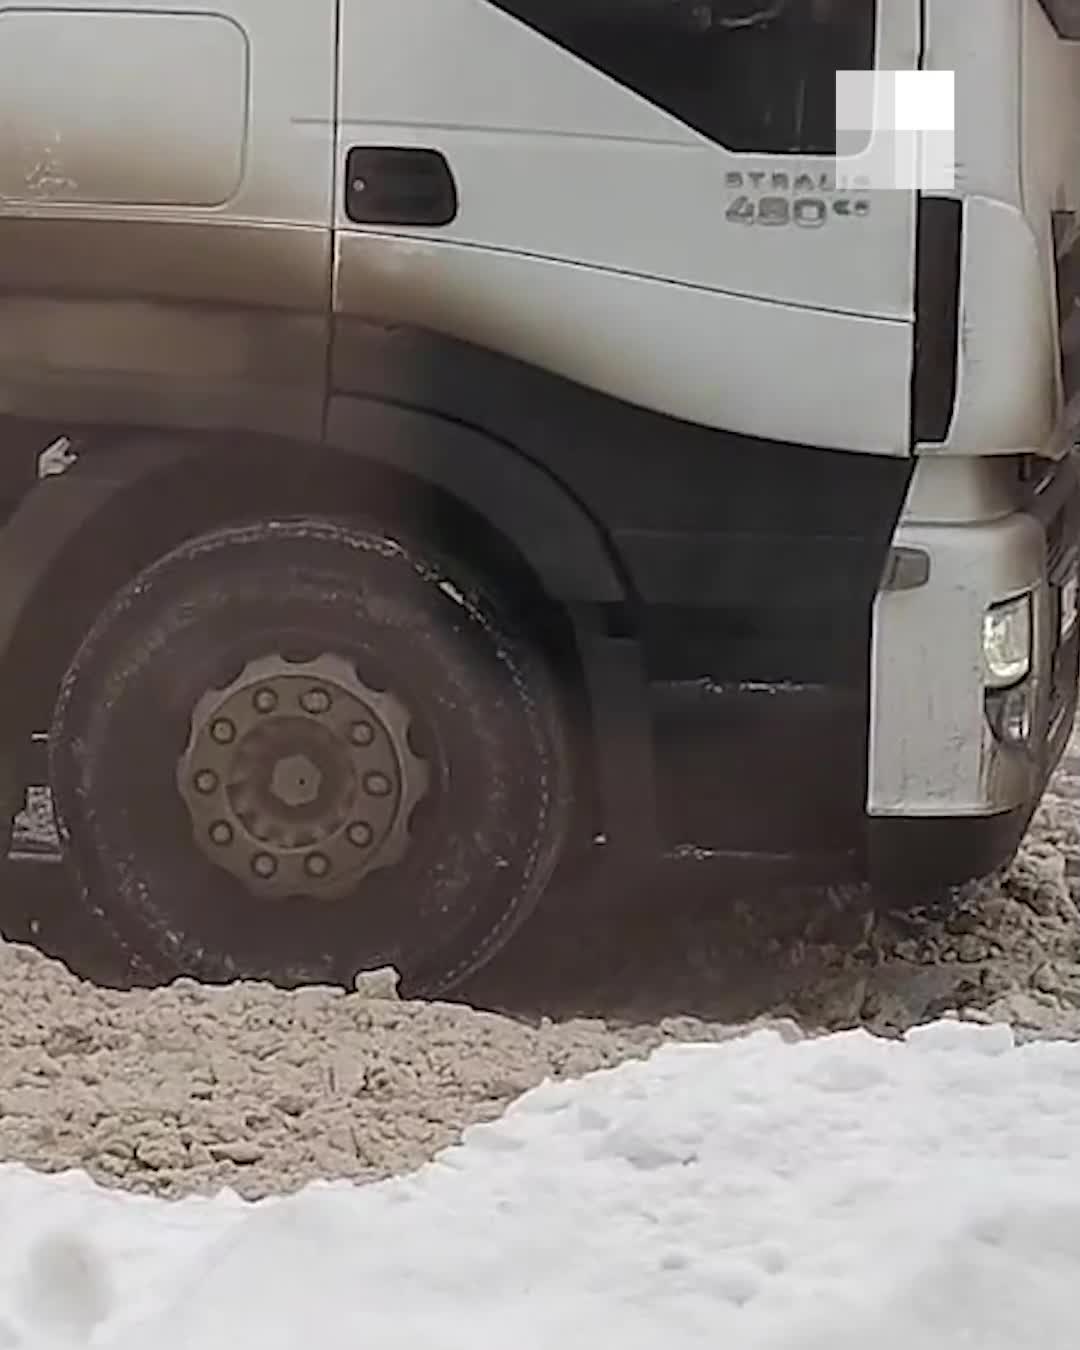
1065	16
753	75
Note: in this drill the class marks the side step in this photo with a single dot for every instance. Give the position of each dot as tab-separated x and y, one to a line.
34	840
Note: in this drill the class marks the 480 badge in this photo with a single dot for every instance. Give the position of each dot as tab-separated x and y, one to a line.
810	213
807	202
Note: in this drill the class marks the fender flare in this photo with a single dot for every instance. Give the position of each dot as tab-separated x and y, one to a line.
556	537
552	531
49	519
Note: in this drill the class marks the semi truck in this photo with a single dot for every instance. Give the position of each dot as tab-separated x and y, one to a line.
454	447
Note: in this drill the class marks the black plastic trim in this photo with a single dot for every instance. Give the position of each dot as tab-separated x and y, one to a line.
908	854
749	564
624	764
938	255
399	185
758	770
775	550
516	497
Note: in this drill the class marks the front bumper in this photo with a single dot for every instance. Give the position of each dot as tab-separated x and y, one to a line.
948	799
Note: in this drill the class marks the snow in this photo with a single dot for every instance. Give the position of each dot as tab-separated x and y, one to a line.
764	1193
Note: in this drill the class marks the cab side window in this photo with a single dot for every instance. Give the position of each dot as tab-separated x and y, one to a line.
752	75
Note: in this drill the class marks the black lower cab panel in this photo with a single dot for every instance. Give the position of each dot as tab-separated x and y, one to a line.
759	723
768	782
758	768
766	777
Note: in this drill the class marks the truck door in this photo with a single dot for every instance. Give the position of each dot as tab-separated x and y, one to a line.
642	198
166	176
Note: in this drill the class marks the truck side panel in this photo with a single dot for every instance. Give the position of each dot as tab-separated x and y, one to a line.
166	180
619	239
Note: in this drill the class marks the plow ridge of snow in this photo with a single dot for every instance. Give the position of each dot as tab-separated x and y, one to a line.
767	1192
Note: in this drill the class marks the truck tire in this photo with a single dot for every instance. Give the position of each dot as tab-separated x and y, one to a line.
298	750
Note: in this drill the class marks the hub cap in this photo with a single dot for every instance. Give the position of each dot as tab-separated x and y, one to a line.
299	780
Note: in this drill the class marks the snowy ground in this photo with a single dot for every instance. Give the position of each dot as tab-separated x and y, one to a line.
768	1193
187	1089
759	1190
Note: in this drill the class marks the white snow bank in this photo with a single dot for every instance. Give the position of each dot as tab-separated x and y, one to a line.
757	1195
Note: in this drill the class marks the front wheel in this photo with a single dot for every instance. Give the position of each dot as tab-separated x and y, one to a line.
298	750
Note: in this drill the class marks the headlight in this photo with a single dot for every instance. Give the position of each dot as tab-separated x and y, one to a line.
1007	642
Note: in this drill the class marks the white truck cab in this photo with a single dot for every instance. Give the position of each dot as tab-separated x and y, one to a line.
453	442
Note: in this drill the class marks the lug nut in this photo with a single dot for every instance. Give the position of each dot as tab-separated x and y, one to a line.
206	781
316	864
362	733
265	700
223	731
264	865
221	832
377	785
360	834
315	701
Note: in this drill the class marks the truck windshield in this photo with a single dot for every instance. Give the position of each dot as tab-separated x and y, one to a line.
752	75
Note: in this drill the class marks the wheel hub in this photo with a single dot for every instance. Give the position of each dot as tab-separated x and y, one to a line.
295	780
300	780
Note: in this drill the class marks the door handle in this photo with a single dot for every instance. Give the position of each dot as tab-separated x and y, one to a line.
397	185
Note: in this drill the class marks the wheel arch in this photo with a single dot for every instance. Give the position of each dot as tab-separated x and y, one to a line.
76	538
558	539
